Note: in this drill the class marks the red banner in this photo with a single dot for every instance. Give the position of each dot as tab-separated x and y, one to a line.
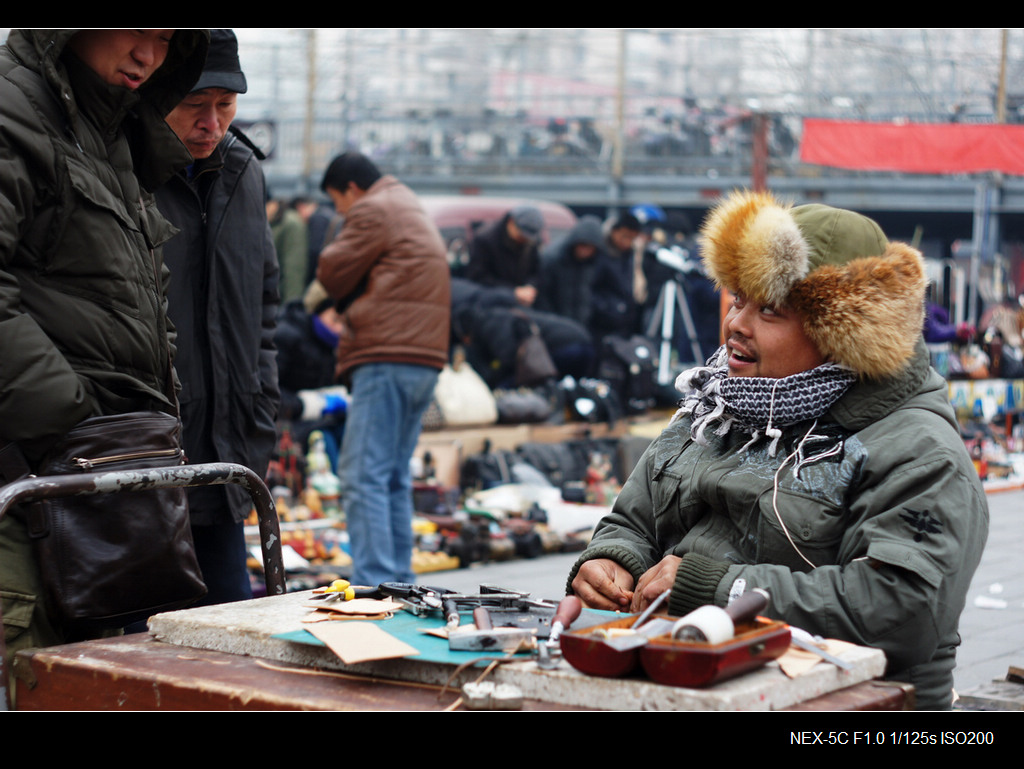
926	148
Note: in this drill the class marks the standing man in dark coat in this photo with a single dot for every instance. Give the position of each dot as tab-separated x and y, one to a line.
223	301
616	307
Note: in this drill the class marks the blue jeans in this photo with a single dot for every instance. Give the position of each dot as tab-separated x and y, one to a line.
381	431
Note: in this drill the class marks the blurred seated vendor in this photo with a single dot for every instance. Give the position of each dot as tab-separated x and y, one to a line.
307	342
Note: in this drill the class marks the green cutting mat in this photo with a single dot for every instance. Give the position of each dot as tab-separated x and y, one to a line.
409	628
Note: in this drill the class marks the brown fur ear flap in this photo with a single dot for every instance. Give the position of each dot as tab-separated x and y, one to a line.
752	246
867	314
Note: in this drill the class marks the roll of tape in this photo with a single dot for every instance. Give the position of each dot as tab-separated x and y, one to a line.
711	621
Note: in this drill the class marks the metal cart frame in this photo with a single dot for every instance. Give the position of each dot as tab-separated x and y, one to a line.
35	488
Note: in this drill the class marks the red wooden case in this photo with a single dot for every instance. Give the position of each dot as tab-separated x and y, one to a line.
677	663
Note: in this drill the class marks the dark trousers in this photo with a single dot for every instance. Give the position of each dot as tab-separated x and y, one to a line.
222	555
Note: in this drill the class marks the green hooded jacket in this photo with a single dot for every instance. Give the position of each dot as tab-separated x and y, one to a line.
886	508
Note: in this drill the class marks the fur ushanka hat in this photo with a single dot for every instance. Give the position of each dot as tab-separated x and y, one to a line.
862	297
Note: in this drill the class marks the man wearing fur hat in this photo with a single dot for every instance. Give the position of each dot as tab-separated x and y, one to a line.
815	455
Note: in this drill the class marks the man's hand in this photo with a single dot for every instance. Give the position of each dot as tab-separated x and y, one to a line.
654	582
525	295
603	584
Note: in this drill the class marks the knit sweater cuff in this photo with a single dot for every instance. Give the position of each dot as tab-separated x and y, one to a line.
696	581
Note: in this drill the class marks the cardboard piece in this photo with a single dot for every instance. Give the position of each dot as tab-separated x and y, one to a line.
795	662
357	606
333	616
355	642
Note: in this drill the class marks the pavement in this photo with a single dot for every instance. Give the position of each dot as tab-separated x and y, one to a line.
991	627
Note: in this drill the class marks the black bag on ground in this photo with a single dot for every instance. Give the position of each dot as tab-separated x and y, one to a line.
522	406
602	451
108	560
592	400
559	463
533	361
630	366
487	469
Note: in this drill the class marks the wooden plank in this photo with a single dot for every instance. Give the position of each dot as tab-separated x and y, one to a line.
869	695
509	437
138	673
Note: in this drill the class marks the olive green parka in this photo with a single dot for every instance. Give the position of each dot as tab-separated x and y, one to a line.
83	321
870	533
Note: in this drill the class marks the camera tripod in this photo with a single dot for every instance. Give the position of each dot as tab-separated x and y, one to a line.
673	295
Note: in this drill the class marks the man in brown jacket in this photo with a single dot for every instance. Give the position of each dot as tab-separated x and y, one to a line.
388	269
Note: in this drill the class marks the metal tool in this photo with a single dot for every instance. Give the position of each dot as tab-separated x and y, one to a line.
451	613
338	590
549	652
504	619
419	600
507	608
642	618
487	638
641	630
500	599
804	640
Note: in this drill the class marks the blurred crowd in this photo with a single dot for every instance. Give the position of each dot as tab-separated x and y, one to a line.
993	349
593	309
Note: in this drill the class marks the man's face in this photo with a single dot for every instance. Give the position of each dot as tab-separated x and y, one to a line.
123	57
344	199
202	119
766	342
584	251
306	209
517	234
623	238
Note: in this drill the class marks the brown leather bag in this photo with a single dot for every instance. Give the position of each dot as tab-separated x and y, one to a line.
533	361
108	560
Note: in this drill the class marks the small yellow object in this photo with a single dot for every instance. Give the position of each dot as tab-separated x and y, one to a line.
423	526
342	586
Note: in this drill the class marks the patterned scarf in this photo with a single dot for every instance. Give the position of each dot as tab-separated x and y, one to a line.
756	405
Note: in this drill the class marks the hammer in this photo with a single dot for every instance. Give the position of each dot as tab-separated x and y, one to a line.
711	624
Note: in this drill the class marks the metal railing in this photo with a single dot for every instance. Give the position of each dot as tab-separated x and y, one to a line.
34	488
